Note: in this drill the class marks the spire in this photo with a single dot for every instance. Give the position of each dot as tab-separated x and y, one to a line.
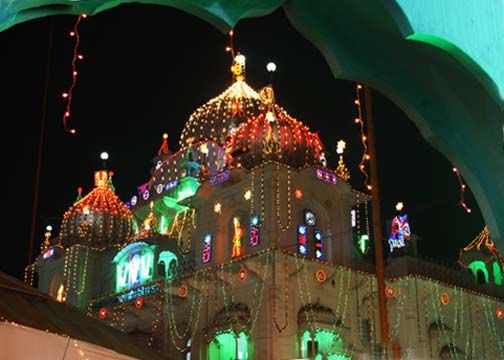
164	149
79	194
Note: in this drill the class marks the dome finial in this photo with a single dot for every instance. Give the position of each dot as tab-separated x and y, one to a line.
238	67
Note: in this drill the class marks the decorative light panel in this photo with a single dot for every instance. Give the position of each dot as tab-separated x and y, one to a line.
206	256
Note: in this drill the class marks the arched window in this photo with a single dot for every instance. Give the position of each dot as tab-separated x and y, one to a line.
170	263
161	269
326	344
480	272
226	345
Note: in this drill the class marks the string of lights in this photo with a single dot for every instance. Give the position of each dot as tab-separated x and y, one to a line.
359	121
462	190
68	95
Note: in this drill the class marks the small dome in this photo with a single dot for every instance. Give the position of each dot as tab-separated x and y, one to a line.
216	119
274	135
99	220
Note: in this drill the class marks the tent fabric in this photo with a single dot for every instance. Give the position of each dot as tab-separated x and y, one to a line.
21	342
29	308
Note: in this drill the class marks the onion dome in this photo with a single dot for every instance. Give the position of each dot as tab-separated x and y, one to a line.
99	220
275	136
218	118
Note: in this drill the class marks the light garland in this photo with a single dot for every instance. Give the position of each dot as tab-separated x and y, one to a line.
462	190
283	227
279	328
359	120
68	96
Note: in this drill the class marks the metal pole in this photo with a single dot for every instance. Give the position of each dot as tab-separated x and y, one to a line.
377	226
40	146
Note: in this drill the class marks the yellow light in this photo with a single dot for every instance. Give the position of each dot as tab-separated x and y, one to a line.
217	208
165	136
248	195
341	146
399	206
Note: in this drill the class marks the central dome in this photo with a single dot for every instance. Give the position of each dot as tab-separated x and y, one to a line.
275	136
216	119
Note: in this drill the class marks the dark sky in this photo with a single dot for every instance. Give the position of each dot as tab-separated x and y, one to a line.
146	69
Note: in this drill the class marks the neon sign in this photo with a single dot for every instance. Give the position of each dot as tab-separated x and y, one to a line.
362	242
206	256
319	245
237	238
302	240
220	177
400	232
255	231
134	265
326	176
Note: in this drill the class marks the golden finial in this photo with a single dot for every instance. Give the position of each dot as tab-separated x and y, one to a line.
342	170
238	67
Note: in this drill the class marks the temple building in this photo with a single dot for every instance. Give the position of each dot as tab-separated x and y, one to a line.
244	244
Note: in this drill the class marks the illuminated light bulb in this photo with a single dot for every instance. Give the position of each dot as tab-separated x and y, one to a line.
463	186
64	95
271	67
455	169
228	49
364	138
49	228
399	206
298	194
469	211
356	102
72	33
72	131
240	59
357	120
80	57
248	195
359	86
231	32
67	114
217	208
75	73
369	187
165	136
104	156
367	157
84	16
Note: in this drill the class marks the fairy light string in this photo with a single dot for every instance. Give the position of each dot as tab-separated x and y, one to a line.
359	121
463	188
77	56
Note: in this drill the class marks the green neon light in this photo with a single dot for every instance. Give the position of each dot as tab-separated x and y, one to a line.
134	265
328	344
226	346
163	225
479	265
497	273
187	188
362	241
167	257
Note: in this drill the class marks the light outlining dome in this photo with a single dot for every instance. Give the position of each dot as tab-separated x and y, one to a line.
99	220
274	135
217	119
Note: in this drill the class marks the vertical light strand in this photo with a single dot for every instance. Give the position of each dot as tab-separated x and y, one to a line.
68	95
462	190
359	121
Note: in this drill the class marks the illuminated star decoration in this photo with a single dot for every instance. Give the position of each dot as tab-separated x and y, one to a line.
68	95
462	190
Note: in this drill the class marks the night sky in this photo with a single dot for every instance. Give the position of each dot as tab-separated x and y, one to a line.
146	69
